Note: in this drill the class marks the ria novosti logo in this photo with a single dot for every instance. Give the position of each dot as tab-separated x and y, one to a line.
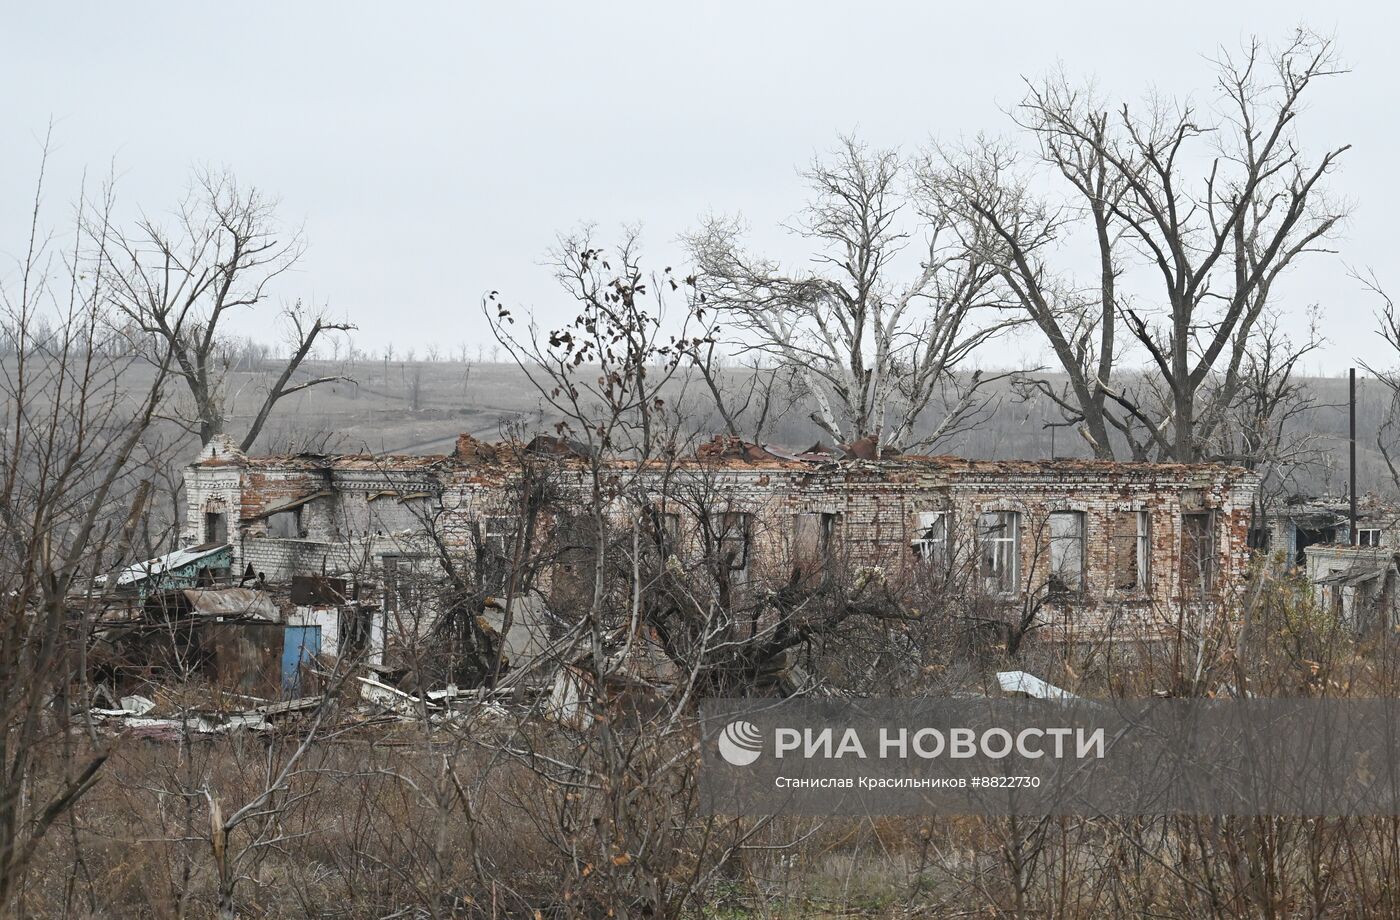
740	743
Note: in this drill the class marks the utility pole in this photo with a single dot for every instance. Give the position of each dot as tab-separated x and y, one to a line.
1352	488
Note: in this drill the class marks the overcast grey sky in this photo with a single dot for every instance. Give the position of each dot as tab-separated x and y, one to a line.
433	151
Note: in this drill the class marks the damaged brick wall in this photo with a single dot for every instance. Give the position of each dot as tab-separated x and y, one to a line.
868	511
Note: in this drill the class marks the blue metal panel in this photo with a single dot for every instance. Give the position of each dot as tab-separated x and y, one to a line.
300	644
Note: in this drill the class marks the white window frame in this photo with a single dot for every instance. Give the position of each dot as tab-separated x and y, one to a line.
1002	531
498	532
1368	536
930	543
1144	550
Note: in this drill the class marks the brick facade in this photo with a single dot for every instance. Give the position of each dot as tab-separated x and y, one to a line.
1115	549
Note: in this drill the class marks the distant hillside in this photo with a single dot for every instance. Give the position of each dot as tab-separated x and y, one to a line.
422	407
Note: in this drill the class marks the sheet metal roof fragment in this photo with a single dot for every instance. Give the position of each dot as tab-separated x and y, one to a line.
232	602
166	563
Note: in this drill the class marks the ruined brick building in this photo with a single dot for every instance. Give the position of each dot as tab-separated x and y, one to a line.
1106	549
1355	577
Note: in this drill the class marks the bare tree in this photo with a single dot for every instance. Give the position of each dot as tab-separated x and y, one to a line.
415	388
617	330
179	283
1388	320
746	398
1263	430
604	375
1217	243
1016	231
874	352
71	501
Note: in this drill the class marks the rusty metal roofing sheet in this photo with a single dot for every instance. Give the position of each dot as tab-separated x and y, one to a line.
232	602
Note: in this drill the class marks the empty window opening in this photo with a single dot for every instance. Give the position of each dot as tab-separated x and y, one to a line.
930	543
498	533
1197	554
285	525
814	539
405	587
354	633
1311	536
1066	552
498	536
572	572
215	527
735	538
665	528
1132	551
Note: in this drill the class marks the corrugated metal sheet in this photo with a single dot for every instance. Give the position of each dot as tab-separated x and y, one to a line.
168	563
1351	577
232	602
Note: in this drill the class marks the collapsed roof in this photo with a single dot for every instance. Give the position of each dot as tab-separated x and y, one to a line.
721	450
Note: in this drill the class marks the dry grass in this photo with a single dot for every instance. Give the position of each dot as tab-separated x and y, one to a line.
503	818
411	824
